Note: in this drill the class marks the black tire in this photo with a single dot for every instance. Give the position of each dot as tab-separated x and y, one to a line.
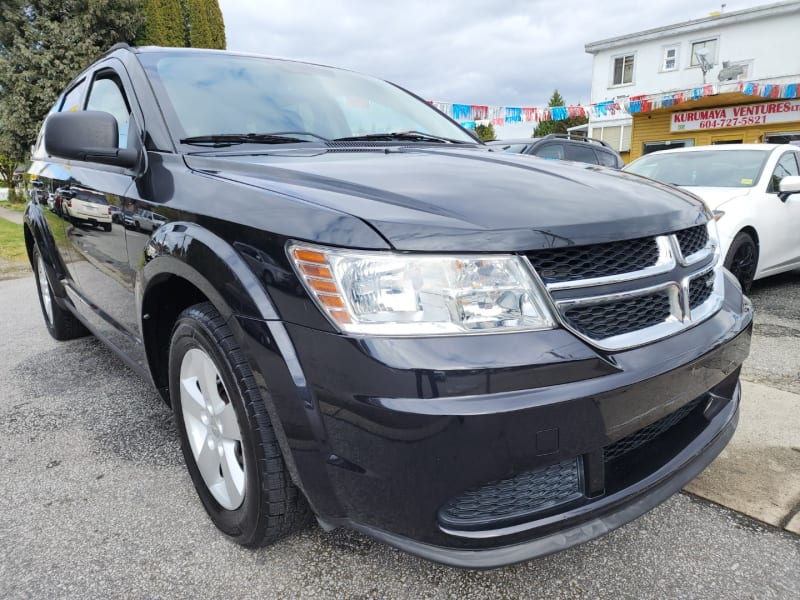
106	226
61	323
273	506
742	259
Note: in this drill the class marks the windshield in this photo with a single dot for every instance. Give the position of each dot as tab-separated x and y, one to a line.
706	168
212	94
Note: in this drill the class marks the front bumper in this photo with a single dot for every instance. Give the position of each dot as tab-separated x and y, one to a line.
382	433
599	518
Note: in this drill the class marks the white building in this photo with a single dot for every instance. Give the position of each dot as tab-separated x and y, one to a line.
756	44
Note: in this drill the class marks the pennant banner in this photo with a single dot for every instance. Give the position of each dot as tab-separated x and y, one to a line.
469	115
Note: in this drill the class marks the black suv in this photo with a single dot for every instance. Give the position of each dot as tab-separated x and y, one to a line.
358	312
564	147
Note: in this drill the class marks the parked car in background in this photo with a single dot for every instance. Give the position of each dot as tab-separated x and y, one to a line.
60	197
563	147
143	220
357	311
752	190
86	206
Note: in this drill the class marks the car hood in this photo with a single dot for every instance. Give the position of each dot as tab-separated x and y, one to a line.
714	197
433	199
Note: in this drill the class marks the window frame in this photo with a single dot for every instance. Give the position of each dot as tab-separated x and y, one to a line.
83	85
714	54
622	57
109	73
675	59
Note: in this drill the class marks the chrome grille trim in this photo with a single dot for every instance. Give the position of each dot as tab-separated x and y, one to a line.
635	283
666	262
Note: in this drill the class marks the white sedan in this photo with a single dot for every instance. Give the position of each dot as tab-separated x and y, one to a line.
753	191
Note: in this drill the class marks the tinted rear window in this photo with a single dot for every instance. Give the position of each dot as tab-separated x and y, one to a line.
580	153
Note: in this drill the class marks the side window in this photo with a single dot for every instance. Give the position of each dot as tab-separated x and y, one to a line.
107	95
72	99
581	153
606	158
550	151
787	165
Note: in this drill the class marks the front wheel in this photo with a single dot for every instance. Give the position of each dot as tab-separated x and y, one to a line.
227	437
61	324
742	259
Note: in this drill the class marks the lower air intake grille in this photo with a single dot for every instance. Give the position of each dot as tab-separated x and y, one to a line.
514	499
650	432
608	319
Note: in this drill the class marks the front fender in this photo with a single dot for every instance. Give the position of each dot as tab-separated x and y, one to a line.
209	263
37	230
212	266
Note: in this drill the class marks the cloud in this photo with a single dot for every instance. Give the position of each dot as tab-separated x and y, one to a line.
506	53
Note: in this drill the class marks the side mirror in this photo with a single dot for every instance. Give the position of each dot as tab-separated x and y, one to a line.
789	185
88	135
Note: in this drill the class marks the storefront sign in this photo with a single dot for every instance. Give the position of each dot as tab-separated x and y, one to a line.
736	116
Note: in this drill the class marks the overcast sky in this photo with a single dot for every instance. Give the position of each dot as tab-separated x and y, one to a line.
497	52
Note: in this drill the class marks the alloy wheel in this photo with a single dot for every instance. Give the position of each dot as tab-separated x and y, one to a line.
212	429
44	290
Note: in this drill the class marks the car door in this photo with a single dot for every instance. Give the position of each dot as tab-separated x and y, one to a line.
104	279
784	217
56	175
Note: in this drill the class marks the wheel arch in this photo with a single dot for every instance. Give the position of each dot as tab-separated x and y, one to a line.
36	231
751	231
184	264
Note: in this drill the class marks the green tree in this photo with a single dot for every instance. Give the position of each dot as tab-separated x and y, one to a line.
7	166
43	45
205	24
182	23
547	127
164	23
485	132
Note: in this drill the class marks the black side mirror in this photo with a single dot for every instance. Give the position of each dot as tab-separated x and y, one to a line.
88	135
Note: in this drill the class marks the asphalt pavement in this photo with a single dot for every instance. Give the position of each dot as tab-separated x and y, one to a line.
96	503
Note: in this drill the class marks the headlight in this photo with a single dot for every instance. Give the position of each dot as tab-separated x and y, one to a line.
403	294
713	236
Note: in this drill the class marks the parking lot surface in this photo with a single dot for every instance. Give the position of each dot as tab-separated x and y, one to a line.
96	502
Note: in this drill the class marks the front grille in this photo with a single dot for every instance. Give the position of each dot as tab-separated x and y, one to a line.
700	289
608	319
516	498
693	239
650	432
655	284
598	260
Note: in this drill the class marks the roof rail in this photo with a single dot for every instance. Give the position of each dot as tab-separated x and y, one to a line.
577	138
118	46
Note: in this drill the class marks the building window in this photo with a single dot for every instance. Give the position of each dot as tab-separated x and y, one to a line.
670	62
623	70
710	45
787	137
648	147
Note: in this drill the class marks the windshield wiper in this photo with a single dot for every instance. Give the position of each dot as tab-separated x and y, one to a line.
229	139
411	135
